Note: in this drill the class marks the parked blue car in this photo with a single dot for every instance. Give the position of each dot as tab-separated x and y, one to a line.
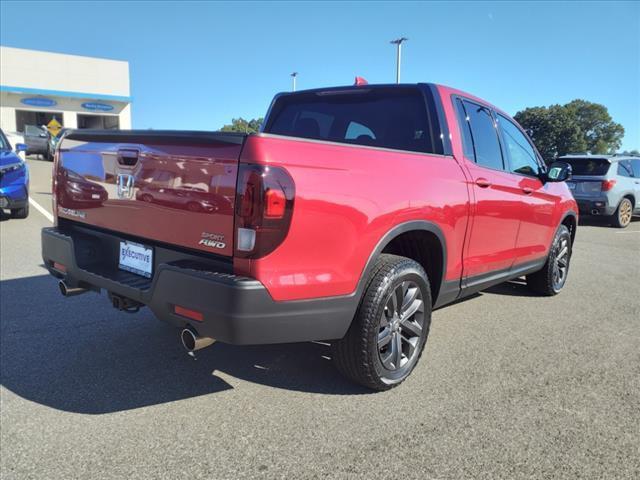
14	179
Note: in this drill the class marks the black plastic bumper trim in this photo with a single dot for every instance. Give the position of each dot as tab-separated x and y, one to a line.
236	310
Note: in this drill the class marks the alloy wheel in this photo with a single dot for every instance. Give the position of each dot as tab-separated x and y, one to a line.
401	326
561	264
625	212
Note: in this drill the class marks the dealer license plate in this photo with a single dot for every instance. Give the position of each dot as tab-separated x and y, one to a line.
136	258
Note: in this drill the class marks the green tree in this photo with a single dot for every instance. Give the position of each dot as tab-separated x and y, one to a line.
553	130
243	126
578	126
599	131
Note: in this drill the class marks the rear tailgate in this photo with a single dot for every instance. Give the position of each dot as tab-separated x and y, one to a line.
585	185
171	187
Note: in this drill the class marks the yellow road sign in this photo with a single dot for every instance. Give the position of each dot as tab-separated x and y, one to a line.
54	126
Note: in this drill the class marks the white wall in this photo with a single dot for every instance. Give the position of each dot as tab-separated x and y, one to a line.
57	71
125	118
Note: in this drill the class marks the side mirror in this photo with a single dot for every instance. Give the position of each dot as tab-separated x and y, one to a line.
559	172
20	147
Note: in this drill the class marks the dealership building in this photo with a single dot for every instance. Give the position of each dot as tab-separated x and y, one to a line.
43	88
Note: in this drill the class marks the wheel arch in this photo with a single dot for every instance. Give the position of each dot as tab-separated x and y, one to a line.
420	240
631	197
570	220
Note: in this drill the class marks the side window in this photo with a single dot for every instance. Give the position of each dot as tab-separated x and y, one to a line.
484	135
522	156
624	168
357	131
465	130
635	164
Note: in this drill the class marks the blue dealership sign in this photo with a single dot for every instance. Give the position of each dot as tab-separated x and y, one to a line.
97	107
38	102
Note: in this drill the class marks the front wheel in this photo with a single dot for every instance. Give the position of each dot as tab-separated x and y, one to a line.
390	329
624	212
551	279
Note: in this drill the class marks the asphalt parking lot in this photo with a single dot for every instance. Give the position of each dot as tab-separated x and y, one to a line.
511	385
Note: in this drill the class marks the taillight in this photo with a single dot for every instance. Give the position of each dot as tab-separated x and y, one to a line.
607	185
264	206
275	203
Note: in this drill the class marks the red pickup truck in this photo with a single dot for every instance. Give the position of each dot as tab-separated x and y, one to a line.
348	218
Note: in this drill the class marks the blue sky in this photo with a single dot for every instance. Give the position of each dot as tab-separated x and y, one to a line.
197	65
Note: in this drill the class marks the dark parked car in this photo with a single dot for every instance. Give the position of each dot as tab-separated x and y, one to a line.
79	192
185	197
37	140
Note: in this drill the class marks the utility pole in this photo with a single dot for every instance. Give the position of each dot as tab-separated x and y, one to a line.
293	79
398	43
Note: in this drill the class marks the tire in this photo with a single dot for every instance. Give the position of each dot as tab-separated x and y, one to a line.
194	207
146	198
20	212
368	353
551	279
624	212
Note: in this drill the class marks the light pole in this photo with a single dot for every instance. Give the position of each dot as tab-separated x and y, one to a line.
398	43
293	79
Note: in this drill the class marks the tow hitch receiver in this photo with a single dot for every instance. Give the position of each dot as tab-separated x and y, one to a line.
124	304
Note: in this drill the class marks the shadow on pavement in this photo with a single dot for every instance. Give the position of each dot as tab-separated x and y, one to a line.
80	355
595	221
517	288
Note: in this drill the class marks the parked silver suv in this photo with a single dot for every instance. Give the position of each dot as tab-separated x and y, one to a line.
606	185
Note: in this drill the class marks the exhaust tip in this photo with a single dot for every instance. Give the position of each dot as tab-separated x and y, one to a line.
191	341
595	212
68	291
188	339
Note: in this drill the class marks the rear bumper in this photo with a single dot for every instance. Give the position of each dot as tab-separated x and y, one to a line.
595	206
235	310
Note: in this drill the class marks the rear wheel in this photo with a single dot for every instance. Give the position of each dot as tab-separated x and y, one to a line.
551	279
389	331
624	212
20	212
194	207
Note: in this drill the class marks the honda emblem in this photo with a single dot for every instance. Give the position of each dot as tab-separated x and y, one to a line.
125	185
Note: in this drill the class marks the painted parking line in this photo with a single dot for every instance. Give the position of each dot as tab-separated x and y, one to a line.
41	209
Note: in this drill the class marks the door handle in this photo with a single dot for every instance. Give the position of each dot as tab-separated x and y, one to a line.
527	190
483	182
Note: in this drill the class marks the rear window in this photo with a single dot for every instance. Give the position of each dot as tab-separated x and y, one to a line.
398	118
588	166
